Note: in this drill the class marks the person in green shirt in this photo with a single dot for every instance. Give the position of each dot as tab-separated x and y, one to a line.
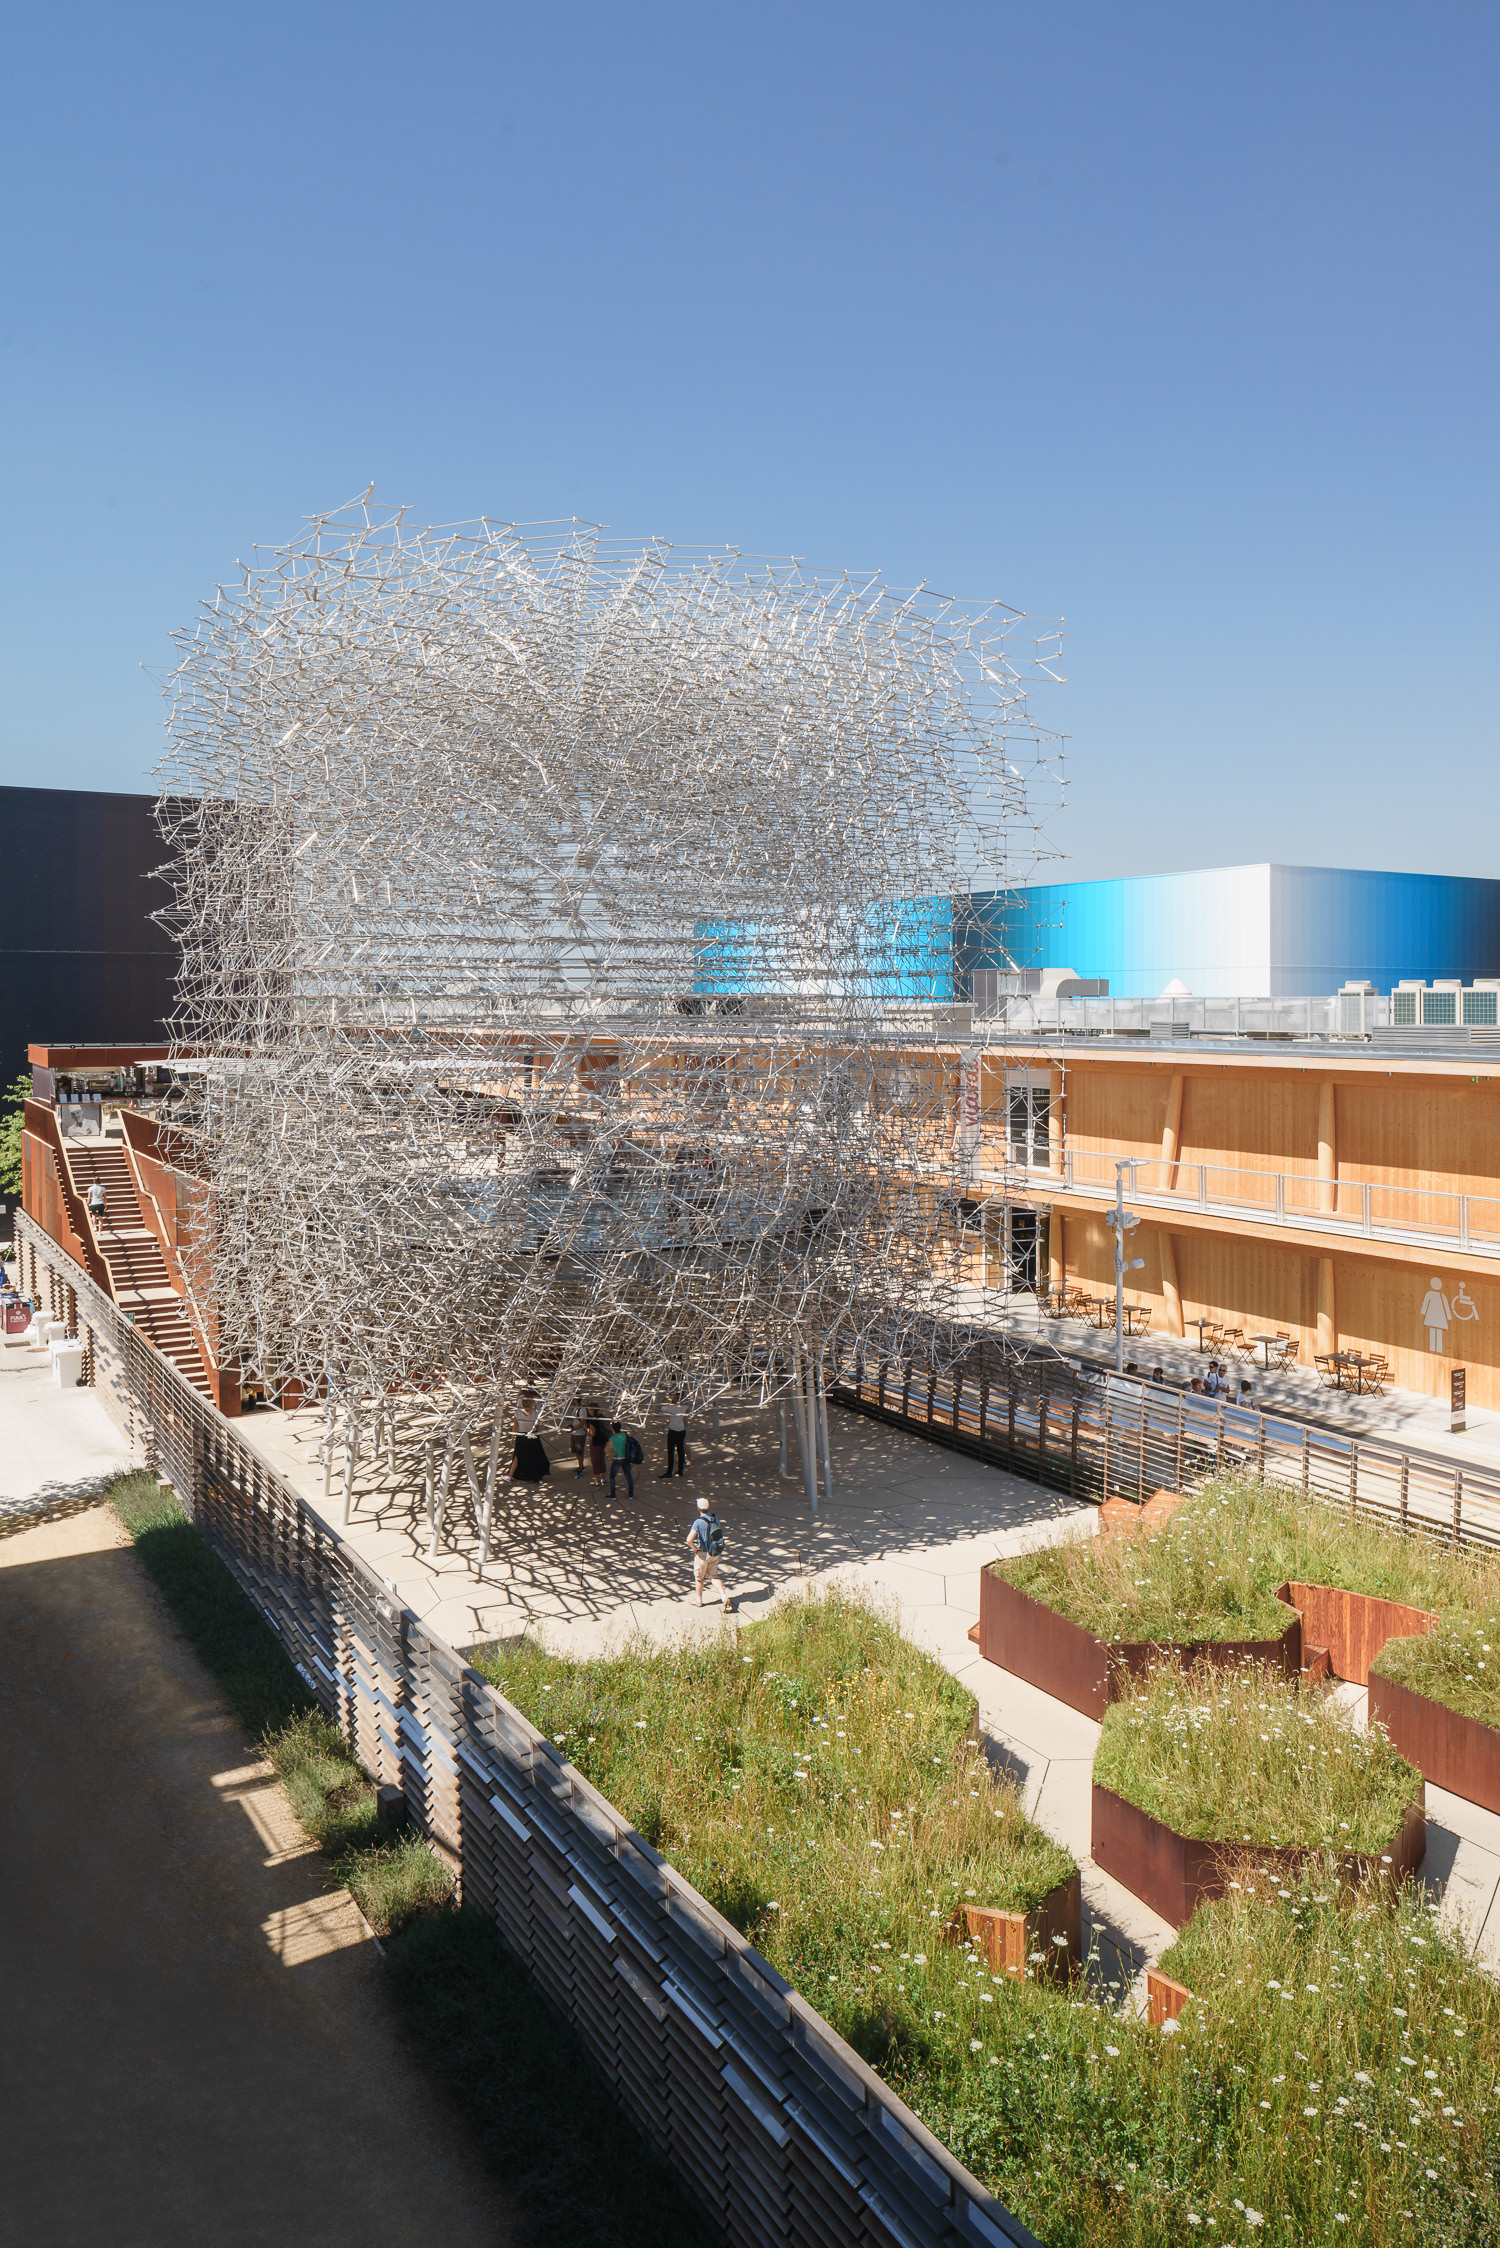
619	1457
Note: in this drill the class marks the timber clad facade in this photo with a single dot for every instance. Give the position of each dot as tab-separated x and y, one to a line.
1351	1202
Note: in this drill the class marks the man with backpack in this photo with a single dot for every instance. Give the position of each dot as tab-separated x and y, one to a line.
706	1538
624	1452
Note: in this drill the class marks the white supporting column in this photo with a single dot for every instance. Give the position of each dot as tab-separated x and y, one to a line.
440	1506
489	1487
822	1400
351	1454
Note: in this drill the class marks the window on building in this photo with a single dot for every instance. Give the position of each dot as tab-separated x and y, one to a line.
1028	1107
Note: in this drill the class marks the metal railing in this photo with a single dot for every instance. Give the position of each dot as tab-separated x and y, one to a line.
1029	1014
1362	1209
778	2125
1110	1437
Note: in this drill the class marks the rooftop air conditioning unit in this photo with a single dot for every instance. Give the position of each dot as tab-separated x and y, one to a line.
1356	1011
1406	1004
1482	1004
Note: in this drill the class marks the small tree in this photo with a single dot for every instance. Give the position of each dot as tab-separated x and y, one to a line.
12	1108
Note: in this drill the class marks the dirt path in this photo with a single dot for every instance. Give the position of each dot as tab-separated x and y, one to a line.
195	2045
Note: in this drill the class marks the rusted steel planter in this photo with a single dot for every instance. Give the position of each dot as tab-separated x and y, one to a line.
1353	1626
1454	1752
1164	1998
1034	1642
1008	1939
1173	1873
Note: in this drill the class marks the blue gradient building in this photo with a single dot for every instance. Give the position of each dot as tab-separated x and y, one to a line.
1268	931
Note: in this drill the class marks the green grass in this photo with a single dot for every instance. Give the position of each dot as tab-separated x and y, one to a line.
1457	1663
815	1779
1097	2131
1247	1757
563	2150
1211	1571
220	1625
1322	1997
1102	2133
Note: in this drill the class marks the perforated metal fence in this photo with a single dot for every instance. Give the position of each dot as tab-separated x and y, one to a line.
1089	1437
778	2125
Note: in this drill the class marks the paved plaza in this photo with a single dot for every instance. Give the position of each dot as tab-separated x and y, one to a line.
58	1447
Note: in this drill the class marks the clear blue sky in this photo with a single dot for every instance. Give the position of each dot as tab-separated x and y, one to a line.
1177	321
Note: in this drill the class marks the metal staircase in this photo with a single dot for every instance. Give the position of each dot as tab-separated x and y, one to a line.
138	1276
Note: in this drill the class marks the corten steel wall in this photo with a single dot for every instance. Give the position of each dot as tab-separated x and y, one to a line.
777	2123
80	957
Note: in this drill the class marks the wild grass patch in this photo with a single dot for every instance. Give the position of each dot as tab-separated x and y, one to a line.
1337	2078
1212	1569
1363	2064
1244	1756
817	1780
1457	1663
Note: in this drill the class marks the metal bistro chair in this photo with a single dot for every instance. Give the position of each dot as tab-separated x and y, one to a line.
1330	1371
1373	1375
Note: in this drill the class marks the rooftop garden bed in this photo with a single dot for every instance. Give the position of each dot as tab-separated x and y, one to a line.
1212	1569
1092	2126
1457	1663
818	1781
1246	1757
1194	1774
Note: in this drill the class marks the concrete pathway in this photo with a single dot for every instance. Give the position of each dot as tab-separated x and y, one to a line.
197	2045
57	1447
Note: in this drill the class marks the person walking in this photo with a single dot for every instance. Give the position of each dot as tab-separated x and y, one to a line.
96	1201
598	1445
624	1452
578	1439
676	1438
706	1540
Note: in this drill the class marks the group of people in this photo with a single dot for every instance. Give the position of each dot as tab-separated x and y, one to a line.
1217	1382
609	1446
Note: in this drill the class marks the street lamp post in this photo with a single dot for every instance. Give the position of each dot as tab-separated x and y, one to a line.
1122	1221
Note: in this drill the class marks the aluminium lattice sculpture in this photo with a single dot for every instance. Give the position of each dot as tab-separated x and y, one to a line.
563	921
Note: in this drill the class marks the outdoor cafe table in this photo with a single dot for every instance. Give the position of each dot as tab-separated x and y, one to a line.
1265	1344
1200	1324
1137	1319
1100	1311
1352	1362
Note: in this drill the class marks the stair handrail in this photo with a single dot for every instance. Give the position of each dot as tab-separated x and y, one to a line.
41	1122
155	1217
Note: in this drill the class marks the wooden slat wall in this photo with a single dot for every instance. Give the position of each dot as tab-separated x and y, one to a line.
776	2123
1267	1286
1436	1134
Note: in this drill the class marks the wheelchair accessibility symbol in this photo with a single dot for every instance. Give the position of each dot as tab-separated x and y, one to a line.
1440	1312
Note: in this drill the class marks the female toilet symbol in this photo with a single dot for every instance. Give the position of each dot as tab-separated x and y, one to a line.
1436	1313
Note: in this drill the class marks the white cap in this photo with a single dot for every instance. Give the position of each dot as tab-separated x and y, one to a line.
702	1504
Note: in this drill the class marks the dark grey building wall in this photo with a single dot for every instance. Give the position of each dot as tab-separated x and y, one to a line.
81	960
